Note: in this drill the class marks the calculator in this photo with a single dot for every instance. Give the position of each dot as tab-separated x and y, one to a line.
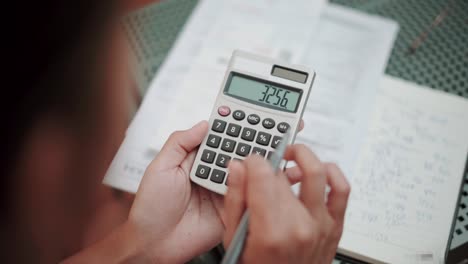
259	101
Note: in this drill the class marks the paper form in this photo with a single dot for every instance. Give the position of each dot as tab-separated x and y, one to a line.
407	179
349	53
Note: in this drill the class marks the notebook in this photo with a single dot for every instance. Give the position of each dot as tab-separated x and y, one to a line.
407	180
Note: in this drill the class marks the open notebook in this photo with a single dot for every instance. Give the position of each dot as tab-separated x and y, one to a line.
406	183
400	145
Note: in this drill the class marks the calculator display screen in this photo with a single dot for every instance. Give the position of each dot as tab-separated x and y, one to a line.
263	92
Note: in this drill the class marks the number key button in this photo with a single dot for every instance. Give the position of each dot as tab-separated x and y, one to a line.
248	134
203	171
243	149
217	176
283	127
238	115
263	138
275	142
223	160
228	145
268	123
218	125
253	119
208	156
259	151
233	130
213	141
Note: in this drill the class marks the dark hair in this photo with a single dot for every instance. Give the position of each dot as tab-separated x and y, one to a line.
52	56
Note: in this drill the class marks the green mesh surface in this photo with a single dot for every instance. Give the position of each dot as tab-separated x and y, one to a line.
441	62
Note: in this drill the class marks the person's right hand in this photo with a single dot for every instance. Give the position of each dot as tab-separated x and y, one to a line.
284	228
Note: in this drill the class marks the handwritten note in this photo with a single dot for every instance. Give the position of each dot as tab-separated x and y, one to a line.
406	182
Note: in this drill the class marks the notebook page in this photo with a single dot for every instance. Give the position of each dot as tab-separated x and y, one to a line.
407	179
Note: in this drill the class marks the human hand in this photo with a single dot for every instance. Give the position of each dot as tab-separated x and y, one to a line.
174	219
284	228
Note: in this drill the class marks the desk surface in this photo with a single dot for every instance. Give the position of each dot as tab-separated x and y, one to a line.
440	62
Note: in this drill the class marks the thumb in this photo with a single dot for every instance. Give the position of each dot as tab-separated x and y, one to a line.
180	144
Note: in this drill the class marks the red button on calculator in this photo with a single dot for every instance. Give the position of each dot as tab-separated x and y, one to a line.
224	110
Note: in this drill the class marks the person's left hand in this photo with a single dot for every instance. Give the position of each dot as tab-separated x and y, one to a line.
174	219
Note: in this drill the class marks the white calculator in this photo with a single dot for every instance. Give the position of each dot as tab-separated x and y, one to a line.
259	100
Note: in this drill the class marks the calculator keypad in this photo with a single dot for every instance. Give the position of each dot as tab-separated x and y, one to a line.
231	141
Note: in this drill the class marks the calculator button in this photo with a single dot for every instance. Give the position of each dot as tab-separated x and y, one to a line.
263	138
208	156
283	127
248	134
253	119
217	176
275	142
238	115
223	160
238	159
224	110
233	130
213	141
243	149
203	171
268	123
218	125
259	151
228	145
270	153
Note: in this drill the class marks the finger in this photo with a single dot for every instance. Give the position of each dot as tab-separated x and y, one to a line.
301	125
180	144
313	176
294	174
234	200
264	188
339	192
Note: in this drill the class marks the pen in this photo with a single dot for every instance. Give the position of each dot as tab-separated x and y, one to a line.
237	244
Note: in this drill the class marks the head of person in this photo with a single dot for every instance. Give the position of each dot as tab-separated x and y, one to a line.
64	109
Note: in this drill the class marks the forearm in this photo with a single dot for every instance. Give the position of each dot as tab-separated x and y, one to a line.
121	246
